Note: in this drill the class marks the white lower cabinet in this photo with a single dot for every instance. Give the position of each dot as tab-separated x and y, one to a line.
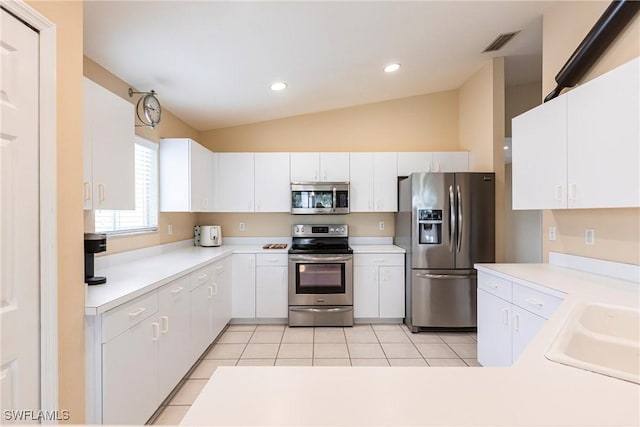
139	351
378	286
510	314
272	286
243	301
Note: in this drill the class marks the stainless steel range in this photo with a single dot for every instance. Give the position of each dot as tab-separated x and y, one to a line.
320	276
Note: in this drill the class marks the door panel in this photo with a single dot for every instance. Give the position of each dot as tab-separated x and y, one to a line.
442	299
494	330
475	241
19	211
431	191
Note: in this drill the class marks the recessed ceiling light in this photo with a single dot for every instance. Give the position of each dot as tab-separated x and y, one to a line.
278	86
392	67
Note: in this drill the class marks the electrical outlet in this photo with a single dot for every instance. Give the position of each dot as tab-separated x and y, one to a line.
241	226
552	233
170	229
381	225
589	236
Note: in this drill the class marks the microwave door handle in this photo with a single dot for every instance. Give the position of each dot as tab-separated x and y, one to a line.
452	218
335	199
459	224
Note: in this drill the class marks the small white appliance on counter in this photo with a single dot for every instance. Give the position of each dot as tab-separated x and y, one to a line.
210	235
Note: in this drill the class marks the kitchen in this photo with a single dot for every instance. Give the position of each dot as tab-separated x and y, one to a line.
333	130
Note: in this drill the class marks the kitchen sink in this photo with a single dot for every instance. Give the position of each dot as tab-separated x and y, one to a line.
601	338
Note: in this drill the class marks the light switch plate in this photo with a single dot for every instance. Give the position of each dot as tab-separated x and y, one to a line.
241	226
381	225
589	236
552	233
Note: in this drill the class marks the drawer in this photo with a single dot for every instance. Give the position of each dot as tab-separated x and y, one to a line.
378	259
201	276
495	285
535	301
119	319
272	259
176	289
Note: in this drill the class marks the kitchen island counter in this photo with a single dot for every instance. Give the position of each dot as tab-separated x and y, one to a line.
534	391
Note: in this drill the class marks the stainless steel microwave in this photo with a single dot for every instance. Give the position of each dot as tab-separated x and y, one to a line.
320	198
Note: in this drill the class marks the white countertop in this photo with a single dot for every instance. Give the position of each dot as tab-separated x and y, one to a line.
133	276
534	391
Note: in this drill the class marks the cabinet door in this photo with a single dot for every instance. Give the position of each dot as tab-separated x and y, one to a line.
174	355
539	156
271	292
235	182
361	186
365	291
221	310
334	167
201	181
244	286
526	325
305	167
411	162
450	162
130	374
385	182
494	330
604	135
272	182
201	322
391	291
113	151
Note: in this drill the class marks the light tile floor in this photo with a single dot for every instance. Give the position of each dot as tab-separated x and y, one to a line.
280	345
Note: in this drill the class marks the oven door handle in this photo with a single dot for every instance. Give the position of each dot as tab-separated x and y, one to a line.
315	258
322	310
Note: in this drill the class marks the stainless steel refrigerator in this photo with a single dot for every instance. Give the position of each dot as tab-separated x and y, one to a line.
446	223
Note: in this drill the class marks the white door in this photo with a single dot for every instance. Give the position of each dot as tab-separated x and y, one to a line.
271	292
334	167
385	182
361	182
236	182
305	167
525	327
412	162
365	291
19	214
244	286
450	161
494	330
391	291
272	189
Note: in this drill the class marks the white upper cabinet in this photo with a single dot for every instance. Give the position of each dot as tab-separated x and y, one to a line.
235	182
437	161
604	140
320	167
581	150
109	151
374	182
187	176
539	157
272	182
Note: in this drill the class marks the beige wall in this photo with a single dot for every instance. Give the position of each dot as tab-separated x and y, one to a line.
170	126
617	230
518	99
419	123
482	132
67	16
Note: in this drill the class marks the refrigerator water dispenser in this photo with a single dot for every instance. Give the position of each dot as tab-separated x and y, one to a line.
430	226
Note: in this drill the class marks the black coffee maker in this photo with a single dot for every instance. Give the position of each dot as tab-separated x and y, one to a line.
94	243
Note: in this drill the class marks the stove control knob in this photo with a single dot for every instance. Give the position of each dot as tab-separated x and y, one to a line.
340	230
331	230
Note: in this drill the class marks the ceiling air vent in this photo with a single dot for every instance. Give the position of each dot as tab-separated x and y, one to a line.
500	41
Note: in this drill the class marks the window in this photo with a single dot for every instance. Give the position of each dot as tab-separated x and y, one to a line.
145	215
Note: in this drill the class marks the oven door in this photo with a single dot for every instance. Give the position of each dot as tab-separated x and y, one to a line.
320	279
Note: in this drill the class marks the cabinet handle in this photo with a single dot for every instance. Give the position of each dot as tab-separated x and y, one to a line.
204	203
165	324
505	316
492	286
101	193
370	204
573	192
219	267
87	191
136	313
156	331
202	276
177	290
210	294
516	322
534	303
557	193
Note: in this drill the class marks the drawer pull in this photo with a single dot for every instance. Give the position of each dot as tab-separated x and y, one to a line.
492	286
220	267
156	331
202	276
379	261
534	303
165	324
177	290
136	313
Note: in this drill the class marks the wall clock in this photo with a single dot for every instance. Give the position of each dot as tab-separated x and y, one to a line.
148	108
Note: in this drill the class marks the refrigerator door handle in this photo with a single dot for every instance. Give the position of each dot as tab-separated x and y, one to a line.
459	223
452	218
445	276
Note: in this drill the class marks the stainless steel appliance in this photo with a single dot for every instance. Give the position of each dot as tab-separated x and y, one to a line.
320	276
94	243
210	235
446	223
320	198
